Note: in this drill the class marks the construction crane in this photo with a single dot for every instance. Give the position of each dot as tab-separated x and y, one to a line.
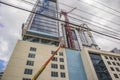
46	63
68	30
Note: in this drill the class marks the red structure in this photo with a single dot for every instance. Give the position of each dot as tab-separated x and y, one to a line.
68	30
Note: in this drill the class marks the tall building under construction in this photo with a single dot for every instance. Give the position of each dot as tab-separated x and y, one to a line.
42	35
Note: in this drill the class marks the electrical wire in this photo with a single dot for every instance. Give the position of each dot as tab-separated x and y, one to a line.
5	3
97	26
77	9
106	6
95	22
86	19
90	14
107	38
100	9
88	22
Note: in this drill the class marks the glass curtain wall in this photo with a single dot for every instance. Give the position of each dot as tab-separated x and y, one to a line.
100	68
44	24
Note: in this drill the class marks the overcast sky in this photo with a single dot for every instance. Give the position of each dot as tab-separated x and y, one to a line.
11	20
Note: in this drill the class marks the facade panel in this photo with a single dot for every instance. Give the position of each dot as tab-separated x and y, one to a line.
43	25
75	65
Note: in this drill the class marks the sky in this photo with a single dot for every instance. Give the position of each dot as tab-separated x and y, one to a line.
11	21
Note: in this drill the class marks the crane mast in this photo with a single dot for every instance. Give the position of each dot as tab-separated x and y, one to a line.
68	30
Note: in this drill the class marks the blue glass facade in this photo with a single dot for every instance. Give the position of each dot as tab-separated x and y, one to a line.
43	25
75	66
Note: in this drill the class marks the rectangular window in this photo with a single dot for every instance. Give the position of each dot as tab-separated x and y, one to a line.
116	76
32	49
62	74
28	71
54	59
62	67
61	53
106	57
109	62
113	63
61	60
30	55
118	64
115	59
117	69
30	63
119	59
54	66
111	58
112	69
52	52
26	79
54	74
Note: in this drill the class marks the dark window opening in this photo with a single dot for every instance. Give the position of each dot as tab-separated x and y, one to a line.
116	76
28	71
100	67
32	49
54	74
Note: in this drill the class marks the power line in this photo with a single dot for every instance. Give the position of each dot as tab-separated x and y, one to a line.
100	8
58	20
106	6
106	38
91	14
95	22
77	9
96	26
81	17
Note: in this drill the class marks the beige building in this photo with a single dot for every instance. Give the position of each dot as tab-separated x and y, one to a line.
28	57
101	65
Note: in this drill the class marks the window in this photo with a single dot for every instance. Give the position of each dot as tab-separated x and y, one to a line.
54	66
118	64
30	55
62	67
115	59
28	71
26	79
61	60
62	74
30	63
112	68
54	59
113	63
111	58
106	57
32	49
54	74
61	53
109	62
52	52
116	76
100	67
119	59
117	69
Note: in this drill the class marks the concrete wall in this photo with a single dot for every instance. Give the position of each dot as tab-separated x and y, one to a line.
89	68
17	64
